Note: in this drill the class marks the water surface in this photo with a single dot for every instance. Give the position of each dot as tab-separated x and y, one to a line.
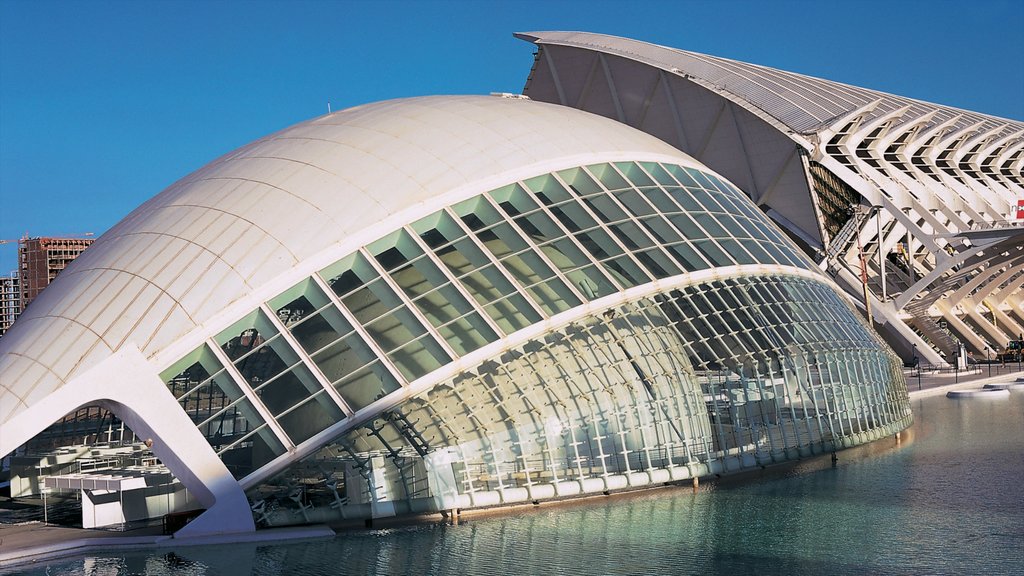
948	500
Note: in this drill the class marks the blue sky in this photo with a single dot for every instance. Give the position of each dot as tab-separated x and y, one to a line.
105	104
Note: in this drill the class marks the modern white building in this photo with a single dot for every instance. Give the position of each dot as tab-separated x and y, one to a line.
448	302
926	194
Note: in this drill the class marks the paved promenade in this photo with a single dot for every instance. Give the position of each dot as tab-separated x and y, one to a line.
929	384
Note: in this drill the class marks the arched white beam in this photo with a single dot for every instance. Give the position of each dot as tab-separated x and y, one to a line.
961	296
127	384
955	145
990	156
984	296
968	154
941	269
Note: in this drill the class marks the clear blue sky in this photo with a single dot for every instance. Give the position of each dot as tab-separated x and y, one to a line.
105	104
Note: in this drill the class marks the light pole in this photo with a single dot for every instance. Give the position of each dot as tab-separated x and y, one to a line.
917	366
987	361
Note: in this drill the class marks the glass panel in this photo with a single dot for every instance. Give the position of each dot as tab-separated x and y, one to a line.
513	313
685	199
311	417
344	357
626	272
348	274
662	231
548	189
255	449
701	178
321	329
477	213
222	413
298	302
605	208
372	301
734	249
681	175
467	334
288	389
502	240
573	217
578	269
685	224
608	176
395	329
599	243
553	297
687	257
635	174
579	181
437	229
246	335
514	200
710	224
419	357
631	236
364	386
713	253
659	173
395	250
635	202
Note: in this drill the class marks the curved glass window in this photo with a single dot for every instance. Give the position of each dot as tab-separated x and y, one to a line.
467	275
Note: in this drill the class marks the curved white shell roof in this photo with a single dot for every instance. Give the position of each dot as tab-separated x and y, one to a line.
261	212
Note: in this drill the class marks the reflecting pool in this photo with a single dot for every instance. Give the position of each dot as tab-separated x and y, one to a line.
949	499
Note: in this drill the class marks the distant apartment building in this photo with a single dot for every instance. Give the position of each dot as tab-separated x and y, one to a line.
10	300
41	259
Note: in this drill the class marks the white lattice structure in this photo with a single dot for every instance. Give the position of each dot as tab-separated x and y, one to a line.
938	186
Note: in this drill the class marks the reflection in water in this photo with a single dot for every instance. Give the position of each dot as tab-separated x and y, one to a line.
945	501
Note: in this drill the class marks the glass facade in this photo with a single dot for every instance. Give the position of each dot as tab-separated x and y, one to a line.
701	377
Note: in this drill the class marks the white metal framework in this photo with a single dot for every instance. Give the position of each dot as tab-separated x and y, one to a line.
940	185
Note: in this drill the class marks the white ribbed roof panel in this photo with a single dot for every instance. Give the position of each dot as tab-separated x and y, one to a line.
251	217
803	103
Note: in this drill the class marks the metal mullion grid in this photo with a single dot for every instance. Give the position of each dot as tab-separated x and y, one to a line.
536	250
305	359
880	369
879	407
860	404
360	330
201	383
453	281
867	398
232	371
471	235
650	352
254	350
834	411
685	212
568	235
683	401
402	297
848	407
601	223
